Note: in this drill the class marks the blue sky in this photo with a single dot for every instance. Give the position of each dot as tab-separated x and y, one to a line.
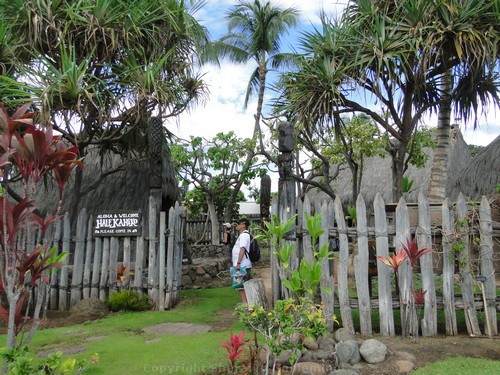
224	111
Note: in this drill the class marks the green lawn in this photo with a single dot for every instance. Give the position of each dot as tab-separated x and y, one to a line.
124	348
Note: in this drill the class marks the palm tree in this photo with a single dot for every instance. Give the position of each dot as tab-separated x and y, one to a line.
98	69
396	52
255	33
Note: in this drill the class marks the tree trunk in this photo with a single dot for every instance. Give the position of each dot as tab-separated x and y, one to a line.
439	170
214	222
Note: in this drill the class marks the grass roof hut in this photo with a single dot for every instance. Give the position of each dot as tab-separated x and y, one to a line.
480	176
377	175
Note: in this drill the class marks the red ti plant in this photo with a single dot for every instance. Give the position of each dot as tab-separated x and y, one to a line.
419	296
35	154
413	252
235	348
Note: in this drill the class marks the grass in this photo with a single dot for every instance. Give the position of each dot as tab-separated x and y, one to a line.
124	348
460	366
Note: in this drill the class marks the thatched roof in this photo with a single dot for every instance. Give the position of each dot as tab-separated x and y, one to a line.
377	174
127	189
480	177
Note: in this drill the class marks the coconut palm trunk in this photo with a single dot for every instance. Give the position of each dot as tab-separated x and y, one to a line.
439	170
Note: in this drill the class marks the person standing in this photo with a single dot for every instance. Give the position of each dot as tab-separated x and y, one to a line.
239	254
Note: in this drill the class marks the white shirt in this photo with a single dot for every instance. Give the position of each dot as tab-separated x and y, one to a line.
243	240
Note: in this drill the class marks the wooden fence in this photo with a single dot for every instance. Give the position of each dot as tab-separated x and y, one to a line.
152	261
454	240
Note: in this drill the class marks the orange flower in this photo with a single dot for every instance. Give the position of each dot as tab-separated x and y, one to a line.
395	260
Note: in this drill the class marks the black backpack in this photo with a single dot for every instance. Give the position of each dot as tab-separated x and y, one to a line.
254	252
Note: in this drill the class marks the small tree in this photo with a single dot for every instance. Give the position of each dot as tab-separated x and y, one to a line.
35	154
213	166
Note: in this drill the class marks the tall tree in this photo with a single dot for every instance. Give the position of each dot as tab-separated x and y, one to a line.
395	53
255	34
97	69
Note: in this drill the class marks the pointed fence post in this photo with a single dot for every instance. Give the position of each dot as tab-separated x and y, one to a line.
327	284
361	269
429	321
450	316
343	285
383	272
464	260
487	268
409	322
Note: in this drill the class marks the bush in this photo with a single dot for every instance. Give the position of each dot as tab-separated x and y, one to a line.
128	300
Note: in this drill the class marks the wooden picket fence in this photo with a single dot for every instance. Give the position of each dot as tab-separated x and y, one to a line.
152	260
453	228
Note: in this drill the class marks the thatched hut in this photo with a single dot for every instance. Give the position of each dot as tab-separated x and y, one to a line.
126	189
480	176
377	175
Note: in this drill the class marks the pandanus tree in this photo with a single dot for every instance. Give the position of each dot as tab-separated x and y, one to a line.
98	70
395	54
36	154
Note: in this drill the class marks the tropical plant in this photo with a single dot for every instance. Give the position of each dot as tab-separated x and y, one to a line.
36	154
397	53
409	298
98	70
280	325
19	362
236	352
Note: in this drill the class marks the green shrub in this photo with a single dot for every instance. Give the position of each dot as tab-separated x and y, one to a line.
128	300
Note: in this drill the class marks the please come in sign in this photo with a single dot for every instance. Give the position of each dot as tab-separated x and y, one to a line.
122	223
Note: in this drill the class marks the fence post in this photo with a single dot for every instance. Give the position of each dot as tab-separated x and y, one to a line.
55	273
63	287
343	285
178	218
465	269
104	269
161	264
448	270
383	272
429	322
326	281
409	321
152	258
77	276
487	268
88	260
361	268
94	289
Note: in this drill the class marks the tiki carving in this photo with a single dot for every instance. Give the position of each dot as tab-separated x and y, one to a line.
286	144
155	139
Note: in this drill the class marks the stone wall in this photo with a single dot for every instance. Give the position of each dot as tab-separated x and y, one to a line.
209	251
210	263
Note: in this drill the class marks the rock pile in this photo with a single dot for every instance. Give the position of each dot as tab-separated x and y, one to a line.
340	354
